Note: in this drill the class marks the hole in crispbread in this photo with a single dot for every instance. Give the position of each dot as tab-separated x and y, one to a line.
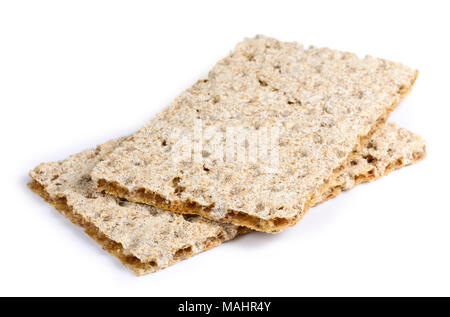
121	201
372	145
176	181
294	101
370	159
188	217
177	188
262	83
183	253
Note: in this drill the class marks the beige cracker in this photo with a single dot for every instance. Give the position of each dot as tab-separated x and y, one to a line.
326	104
146	239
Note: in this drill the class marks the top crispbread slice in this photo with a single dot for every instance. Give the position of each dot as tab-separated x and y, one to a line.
147	239
325	103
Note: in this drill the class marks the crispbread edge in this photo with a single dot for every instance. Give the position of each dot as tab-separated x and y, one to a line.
116	249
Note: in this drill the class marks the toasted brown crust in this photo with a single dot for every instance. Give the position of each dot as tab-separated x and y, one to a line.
109	245
130	261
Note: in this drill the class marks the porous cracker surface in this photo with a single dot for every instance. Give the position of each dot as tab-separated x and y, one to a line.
147	239
390	148
146	234
324	100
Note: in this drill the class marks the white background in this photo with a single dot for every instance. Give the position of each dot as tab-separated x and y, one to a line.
76	74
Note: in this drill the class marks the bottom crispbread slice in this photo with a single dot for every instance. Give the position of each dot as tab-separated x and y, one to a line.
146	239
390	148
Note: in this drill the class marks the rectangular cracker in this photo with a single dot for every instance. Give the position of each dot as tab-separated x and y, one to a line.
146	239
327	104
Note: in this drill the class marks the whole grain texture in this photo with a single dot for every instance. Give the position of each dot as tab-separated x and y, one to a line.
326	104
146	239
143	238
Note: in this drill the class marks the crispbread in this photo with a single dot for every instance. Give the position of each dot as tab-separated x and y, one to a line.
328	103
390	148
146	239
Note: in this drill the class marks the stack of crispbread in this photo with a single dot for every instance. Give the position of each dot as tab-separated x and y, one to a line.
329	108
